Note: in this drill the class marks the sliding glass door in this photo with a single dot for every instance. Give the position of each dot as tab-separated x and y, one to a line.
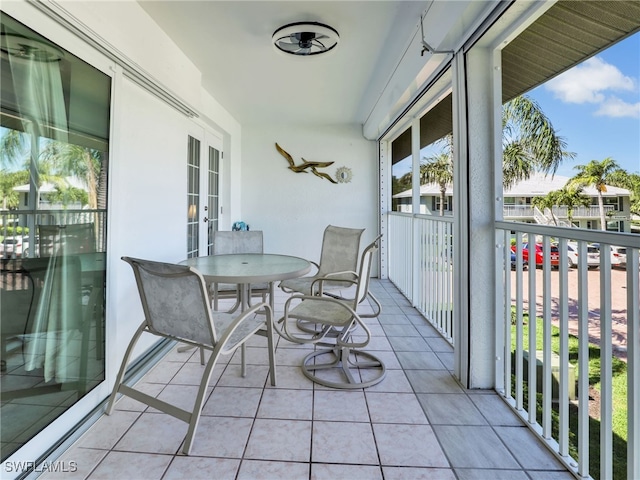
54	148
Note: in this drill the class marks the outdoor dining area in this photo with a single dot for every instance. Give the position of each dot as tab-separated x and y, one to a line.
276	366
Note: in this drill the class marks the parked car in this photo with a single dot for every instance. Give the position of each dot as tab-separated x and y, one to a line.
13	246
618	255
554	255
593	255
514	265
18	247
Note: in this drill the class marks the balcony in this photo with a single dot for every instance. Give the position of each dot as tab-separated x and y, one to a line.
577	308
417	423
521	212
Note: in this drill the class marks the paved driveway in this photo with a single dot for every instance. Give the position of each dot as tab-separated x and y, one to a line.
618	288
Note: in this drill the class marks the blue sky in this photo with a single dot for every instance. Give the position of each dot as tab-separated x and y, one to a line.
595	106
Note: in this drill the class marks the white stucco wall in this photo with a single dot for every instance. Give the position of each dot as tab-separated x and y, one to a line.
293	209
147	162
129	29
148	174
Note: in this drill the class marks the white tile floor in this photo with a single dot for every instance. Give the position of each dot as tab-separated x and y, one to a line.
417	423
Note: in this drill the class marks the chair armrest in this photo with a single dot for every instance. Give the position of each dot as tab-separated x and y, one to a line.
329	277
247	315
323	318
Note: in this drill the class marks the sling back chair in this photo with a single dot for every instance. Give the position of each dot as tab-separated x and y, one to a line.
176	306
349	366
338	262
240	241
336	270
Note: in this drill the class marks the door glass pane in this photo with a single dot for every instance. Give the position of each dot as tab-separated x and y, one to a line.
54	146
193	196
212	196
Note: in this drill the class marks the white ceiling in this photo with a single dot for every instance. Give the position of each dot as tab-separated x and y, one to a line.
230	42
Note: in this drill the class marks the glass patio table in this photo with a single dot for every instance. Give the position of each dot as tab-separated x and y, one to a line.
244	269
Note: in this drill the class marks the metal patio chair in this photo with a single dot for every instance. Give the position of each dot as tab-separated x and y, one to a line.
337	266
240	241
336	270
176	305
349	366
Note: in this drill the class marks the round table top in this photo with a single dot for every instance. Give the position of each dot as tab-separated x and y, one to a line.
249	267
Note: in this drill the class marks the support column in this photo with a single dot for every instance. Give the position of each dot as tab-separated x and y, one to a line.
475	178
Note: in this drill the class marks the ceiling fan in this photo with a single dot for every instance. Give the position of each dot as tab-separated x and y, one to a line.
305	38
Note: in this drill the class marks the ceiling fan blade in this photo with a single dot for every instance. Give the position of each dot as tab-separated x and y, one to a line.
288	47
319	45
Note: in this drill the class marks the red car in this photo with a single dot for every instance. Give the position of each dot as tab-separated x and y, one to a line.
554	255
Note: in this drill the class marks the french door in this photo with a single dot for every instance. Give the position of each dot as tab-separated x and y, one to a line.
203	193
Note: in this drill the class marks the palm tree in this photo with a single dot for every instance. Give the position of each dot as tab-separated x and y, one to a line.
572	197
8	180
596	173
631	181
548	201
438	169
13	147
74	160
398	185
530	143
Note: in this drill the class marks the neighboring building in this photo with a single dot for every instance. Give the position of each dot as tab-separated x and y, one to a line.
46	190
518	199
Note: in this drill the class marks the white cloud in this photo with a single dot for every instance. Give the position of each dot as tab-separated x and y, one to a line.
588	82
615	107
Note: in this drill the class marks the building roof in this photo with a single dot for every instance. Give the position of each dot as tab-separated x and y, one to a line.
538	185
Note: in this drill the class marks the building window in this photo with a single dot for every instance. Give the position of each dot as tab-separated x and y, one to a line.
447	204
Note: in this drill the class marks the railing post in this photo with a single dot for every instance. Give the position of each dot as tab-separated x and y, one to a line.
606	353
563	390
633	365
583	362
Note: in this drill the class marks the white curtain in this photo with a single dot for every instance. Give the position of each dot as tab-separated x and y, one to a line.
39	94
37	82
55	341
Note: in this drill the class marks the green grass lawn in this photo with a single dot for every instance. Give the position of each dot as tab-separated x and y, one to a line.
619	420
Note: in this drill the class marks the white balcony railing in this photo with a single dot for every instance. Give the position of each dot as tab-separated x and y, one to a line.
25	223
528	211
572	401
583	212
548	377
421	265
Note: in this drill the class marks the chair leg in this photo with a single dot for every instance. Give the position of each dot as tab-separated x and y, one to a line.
342	360
243	354
271	345
123	368
186	348
377	307
199	401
